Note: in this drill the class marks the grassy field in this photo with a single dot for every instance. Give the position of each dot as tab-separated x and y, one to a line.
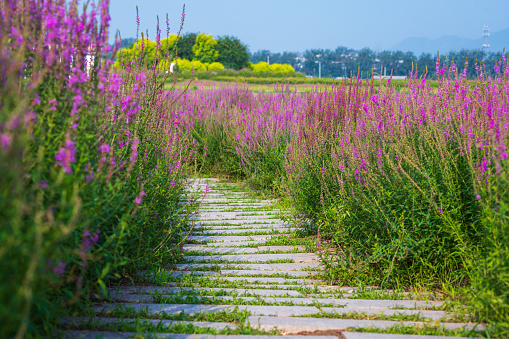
269	87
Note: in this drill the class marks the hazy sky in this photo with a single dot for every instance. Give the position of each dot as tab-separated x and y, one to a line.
297	25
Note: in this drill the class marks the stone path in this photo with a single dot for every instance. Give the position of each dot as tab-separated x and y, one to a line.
246	274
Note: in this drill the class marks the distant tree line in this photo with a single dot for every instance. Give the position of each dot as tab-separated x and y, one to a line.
234	54
343	60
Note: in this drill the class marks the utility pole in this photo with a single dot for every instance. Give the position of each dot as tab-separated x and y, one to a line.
268	56
486	35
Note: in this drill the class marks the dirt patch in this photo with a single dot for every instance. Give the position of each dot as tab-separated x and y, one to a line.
336	333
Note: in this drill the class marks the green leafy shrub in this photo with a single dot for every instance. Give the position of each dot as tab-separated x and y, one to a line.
198	65
261	67
184	65
279	68
215	66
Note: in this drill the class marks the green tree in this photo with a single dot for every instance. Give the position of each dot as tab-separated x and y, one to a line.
232	52
204	48
185	46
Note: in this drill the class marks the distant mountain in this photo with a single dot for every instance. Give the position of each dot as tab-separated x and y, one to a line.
498	40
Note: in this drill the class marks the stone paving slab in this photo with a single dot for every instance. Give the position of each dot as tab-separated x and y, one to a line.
280	248
262	280
225	199
275	297
273	213
297	257
164	290
122	335
273	231
359	303
267	310
361	335
281	311
227	204
79	320
237	221
235	243
321	288
231	250
253	273
295	325
197	273
219	250
260	272
264	267
244	228
233	208
231	238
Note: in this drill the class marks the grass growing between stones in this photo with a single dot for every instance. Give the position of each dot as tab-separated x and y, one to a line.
146	327
422	329
366	316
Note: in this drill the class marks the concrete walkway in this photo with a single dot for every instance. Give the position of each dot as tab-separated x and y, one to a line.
243	259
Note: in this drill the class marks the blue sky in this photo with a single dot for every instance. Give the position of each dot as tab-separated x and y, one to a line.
285	25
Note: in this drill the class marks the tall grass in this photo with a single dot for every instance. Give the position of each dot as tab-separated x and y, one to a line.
93	163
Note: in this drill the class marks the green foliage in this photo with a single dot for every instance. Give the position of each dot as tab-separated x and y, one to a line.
278	68
490	270
124	57
204	48
215	66
168	45
144	50
185	46
260	67
184	65
232	53
198	65
217	151
143	53
263	67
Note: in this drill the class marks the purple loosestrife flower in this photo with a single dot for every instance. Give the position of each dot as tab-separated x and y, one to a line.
139	199
60	268
134	148
105	149
66	156
5	141
53	104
